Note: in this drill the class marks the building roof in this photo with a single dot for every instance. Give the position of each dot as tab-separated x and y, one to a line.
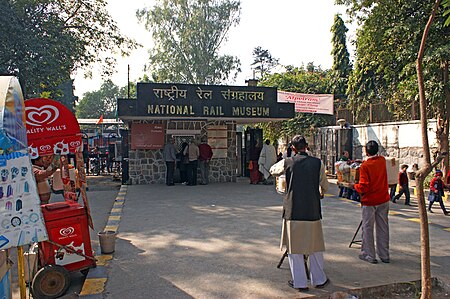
93	121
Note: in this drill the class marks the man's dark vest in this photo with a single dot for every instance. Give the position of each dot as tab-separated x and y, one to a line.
302	201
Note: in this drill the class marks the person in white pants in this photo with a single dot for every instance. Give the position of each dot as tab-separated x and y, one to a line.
302	233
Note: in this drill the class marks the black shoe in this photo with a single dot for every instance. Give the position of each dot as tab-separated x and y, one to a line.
386	261
446	213
429	210
321	286
408	204
291	284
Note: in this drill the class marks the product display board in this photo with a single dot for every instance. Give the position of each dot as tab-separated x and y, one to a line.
21	220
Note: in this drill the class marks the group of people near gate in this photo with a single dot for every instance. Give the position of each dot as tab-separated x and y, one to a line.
188	159
306	184
260	161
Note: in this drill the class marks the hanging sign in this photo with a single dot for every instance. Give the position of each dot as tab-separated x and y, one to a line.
21	220
147	136
308	103
51	128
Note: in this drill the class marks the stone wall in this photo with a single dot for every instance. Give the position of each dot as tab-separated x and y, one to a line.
148	166
401	140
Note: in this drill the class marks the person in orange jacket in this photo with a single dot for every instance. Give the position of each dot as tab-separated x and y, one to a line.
373	188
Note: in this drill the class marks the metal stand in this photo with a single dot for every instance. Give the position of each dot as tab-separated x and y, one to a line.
305	258
354	236
285	254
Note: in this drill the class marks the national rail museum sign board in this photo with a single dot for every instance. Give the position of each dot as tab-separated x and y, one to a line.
171	100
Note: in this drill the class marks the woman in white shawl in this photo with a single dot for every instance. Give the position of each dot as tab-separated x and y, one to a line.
267	158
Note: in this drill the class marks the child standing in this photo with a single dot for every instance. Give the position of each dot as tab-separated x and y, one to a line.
404	185
436	192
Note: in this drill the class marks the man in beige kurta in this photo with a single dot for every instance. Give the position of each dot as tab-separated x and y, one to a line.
302	228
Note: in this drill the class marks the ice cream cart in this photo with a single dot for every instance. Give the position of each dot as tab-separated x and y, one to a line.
53	130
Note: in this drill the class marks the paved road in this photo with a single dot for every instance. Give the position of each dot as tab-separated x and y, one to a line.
221	240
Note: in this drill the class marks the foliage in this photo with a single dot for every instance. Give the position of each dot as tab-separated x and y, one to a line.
99	102
446	5
298	80
123	92
387	45
263	62
341	61
44	41
188	35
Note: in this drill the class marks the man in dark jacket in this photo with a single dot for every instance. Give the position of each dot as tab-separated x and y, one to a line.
302	234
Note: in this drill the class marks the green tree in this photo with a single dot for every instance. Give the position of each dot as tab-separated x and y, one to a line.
43	42
99	102
341	62
393	35
311	79
263	61
123	93
188	35
387	45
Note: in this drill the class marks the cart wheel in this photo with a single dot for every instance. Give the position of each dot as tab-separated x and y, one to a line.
52	281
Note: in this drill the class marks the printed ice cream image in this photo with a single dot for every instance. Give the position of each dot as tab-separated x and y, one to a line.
23	171
4	174
14	172
9	191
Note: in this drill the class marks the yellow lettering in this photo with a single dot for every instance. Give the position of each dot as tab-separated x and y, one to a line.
150	109
205	110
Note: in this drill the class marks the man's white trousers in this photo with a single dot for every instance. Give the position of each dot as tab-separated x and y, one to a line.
316	273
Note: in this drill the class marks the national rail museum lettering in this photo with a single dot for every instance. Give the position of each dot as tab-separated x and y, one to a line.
159	100
188	110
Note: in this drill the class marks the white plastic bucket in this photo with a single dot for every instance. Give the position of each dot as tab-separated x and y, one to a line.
107	241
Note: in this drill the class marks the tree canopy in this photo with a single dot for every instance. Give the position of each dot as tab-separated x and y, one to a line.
341	61
311	79
43	42
99	102
188	35
263	61
387	45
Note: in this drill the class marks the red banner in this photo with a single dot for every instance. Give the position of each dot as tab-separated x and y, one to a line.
51	128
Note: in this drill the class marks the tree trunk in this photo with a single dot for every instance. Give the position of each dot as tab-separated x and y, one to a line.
445	132
423	172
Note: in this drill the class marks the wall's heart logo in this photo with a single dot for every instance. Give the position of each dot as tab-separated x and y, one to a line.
46	147
43	115
67	231
75	143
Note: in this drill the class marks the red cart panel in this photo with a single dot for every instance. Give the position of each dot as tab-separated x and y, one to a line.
66	225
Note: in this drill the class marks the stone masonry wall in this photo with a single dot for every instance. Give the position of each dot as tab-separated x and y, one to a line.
148	166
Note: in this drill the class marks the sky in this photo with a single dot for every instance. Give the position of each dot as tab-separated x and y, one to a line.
294	31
